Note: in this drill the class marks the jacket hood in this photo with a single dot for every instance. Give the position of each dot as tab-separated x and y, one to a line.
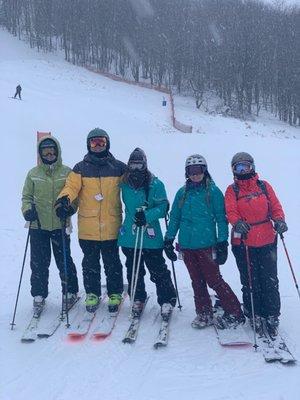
59	159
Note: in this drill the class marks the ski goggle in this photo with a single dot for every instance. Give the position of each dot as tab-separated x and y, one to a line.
48	151
136	166
98	141
195	170
242	167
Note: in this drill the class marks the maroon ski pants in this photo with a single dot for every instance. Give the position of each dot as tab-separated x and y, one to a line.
205	271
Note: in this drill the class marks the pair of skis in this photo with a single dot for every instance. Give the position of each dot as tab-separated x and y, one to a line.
33	329
163	334
104	325
273	348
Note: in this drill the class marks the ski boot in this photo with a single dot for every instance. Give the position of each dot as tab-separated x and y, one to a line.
137	308
114	302
217	306
72	298
92	302
38	305
258	321
202	320
272	324
166	311
229	321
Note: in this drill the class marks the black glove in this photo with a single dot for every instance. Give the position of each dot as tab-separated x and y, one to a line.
242	227
63	209
31	215
140	218
280	226
222	252
169	250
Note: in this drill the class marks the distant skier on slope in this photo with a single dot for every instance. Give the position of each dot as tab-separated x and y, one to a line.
95	181
146	202
18	92
251	206
198	213
42	186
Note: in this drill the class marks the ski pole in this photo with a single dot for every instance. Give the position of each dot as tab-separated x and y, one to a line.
63	233
174	274
22	269
136	277
290	264
251	295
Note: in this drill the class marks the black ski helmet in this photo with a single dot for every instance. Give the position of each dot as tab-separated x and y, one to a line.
97	132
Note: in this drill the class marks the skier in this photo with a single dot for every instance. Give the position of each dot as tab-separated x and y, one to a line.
146	202
18	92
95	181
198	213
251	206
42	186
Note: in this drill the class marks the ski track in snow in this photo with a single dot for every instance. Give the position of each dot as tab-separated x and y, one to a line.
69	101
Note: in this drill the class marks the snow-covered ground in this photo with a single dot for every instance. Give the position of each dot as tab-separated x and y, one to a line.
69	101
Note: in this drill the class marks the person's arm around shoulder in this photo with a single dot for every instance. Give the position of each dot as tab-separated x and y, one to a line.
160	201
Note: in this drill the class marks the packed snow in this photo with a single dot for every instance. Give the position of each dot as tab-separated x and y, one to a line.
69	101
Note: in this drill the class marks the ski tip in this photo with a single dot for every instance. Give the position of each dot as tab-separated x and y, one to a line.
159	345
75	337
100	336
23	340
237	344
128	340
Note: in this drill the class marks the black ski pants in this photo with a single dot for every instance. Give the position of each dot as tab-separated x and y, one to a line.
91	268
159	274
40	252
263	266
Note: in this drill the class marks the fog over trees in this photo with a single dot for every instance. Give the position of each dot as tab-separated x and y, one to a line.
246	51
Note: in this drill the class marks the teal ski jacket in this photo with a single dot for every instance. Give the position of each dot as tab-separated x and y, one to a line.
155	208
199	215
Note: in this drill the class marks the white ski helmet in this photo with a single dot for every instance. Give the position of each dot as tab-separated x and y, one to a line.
195	159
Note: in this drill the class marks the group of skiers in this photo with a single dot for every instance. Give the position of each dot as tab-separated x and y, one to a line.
200	214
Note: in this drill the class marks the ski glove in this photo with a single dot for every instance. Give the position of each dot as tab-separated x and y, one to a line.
140	218
280	226
169	250
31	215
242	227
222	252
62	208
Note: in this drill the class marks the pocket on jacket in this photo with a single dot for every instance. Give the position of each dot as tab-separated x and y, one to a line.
88	213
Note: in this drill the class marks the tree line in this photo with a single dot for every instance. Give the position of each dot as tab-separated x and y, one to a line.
246	51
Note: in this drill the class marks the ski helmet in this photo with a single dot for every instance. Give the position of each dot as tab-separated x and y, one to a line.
137	157
195	159
97	132
240	158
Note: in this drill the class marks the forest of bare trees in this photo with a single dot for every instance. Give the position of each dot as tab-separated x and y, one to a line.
246	51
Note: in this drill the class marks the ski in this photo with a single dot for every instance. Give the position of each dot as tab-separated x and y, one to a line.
30	333
82	326
107	323
132	331
274	348
231	336
52	326
163	334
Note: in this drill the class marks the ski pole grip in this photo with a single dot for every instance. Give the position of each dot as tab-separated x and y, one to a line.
33	207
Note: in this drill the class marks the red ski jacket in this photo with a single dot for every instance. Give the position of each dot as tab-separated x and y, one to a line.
250	204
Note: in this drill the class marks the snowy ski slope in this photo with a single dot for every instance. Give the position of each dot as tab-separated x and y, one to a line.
69	101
